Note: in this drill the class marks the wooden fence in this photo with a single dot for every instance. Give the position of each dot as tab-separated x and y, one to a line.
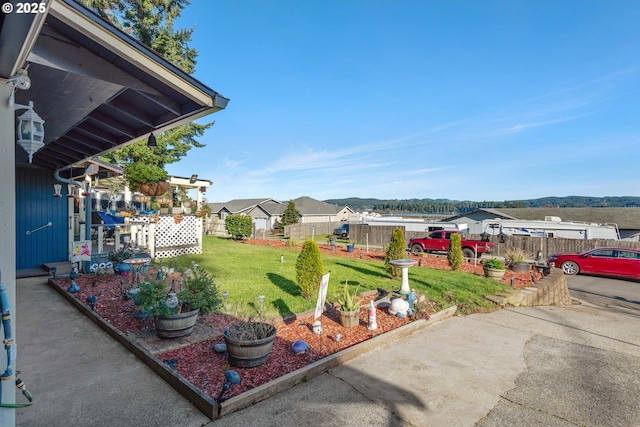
304	231
378	236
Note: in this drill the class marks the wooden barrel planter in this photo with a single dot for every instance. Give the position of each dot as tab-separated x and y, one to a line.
249	343
350	319
494	273
178	325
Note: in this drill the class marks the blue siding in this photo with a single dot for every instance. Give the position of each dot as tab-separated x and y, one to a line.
36	206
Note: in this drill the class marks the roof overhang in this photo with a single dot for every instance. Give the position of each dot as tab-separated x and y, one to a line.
97	88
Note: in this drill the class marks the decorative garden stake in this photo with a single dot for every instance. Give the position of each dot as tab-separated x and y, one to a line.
373	325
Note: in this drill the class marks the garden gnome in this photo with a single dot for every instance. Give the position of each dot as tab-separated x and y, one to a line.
372	326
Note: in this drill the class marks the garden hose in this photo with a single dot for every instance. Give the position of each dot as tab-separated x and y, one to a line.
10	346
26	393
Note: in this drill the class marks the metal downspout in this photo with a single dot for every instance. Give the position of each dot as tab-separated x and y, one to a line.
56	175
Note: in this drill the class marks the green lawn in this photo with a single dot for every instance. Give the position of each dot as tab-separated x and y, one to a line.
246	271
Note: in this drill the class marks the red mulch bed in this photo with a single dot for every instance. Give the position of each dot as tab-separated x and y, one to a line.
204	368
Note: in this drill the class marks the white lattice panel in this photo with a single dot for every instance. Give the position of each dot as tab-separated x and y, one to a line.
173	238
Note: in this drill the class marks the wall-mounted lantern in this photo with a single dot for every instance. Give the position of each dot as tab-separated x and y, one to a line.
30	130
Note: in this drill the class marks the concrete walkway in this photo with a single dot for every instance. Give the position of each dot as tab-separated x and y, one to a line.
545	366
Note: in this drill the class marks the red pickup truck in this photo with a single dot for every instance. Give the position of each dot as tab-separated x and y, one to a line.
438	241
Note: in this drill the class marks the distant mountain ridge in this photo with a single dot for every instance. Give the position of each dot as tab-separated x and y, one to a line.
444	206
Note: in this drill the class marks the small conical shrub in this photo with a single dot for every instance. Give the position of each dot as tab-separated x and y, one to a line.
395	250
309	269
454	254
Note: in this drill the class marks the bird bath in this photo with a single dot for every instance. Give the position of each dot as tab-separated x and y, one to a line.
404	265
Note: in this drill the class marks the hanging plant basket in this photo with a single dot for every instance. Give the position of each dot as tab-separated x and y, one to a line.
177	218
157	189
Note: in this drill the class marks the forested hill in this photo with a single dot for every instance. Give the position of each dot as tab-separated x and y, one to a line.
445	206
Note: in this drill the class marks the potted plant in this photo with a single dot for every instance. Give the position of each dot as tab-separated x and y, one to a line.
249	339
494	269
517	259
146	178
164	203
204	210
176	313
349	307
249	342
117	258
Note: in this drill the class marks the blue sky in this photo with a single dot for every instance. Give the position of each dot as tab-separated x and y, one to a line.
465	100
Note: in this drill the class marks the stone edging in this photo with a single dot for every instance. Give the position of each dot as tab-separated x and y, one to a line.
210	407
550	290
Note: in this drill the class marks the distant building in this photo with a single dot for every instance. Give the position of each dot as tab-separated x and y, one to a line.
626	219
267	213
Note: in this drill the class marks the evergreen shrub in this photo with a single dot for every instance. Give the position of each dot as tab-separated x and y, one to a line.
309	269
395	250
454	254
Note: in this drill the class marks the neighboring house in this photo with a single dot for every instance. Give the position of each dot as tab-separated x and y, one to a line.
267	213
626	219
236	206
266	216
312	210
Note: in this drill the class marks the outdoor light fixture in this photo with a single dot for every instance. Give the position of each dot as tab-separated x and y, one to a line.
225	295
151	142
193	179
172	300
30	130
231	378
57	188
